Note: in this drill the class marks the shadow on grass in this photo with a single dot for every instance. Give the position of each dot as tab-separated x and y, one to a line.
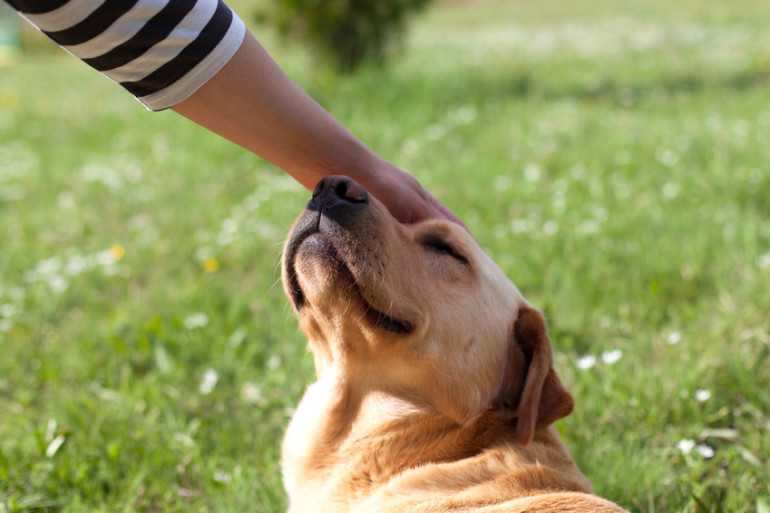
470	86
616	91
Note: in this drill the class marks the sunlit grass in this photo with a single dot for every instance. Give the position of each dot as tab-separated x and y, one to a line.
613	162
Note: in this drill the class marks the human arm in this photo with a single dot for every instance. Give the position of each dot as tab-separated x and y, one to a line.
196	57
254	104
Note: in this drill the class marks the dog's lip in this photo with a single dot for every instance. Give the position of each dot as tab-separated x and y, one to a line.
385	321
295	290
379	318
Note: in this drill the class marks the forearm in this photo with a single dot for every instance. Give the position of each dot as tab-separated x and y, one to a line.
192	56
254	104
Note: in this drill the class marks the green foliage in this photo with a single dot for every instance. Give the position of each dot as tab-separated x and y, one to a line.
612	159
346	32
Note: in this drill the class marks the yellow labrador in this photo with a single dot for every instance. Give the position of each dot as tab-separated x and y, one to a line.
435	390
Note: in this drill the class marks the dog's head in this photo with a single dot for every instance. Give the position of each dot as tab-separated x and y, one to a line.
418	310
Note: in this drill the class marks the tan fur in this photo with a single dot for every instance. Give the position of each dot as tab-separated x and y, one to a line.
455	413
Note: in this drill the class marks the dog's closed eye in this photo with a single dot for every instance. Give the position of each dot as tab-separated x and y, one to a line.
439	245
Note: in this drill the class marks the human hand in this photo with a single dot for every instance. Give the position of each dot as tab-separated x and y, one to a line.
405	198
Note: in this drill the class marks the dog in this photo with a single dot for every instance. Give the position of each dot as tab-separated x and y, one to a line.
435	389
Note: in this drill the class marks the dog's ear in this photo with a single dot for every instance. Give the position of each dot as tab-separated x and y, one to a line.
530	386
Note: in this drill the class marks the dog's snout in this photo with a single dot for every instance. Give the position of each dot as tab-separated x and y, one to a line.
339	189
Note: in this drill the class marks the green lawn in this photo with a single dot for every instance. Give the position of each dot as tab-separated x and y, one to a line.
614	160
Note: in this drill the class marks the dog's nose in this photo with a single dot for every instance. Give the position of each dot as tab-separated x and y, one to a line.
339	189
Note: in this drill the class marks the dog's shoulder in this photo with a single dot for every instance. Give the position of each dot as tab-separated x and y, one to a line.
422	460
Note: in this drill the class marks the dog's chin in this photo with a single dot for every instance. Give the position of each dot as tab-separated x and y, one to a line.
317	274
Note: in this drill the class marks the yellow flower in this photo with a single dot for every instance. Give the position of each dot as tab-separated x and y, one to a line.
117	251
210	265
9	98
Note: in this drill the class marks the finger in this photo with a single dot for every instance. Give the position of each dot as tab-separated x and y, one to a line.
442	211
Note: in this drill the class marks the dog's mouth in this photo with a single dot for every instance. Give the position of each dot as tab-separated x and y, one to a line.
297	294
385	321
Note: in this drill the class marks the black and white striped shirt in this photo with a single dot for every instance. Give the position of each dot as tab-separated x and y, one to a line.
161	51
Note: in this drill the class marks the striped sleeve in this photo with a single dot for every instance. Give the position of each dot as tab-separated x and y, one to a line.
161	51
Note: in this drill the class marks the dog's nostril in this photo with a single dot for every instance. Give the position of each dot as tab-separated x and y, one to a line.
319	188
342	188
351	191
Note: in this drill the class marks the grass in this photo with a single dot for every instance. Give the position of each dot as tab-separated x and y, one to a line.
613	161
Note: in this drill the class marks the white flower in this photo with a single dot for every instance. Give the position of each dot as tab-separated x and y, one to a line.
48	266
410	147
610	357
54	446
668	158
670	190
550	227
65	200
77	264
435	132
702	395
224	238
184	439
209	381
532	172
586	362
222	477
229	225
274	362
103	258
463	115
196	320
705	451
251	393
521	225
8	310
50	430
57	283
685	445
674	337
502	183
763	261
589	227
601	213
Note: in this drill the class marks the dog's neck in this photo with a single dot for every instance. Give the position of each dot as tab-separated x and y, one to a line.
329	445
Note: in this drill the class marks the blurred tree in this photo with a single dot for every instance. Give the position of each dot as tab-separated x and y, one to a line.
10	35
347	32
